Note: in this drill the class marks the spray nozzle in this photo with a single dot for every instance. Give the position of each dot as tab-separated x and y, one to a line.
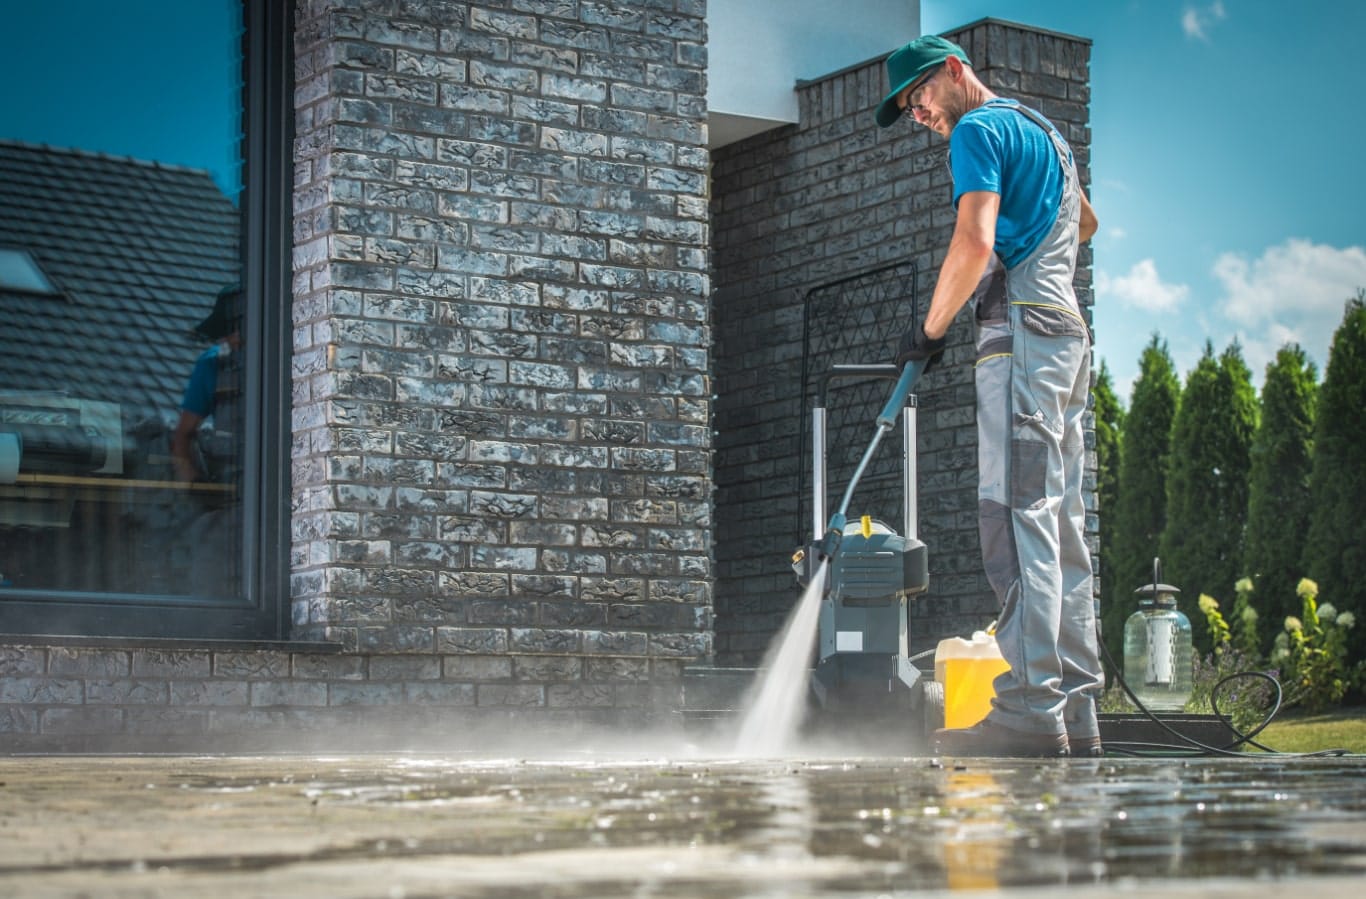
834	533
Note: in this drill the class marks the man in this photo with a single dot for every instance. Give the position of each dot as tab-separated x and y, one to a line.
1021	215
201	393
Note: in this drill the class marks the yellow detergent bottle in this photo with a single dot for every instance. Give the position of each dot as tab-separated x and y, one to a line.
966	668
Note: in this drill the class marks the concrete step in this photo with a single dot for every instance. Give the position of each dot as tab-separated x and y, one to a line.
708	688
1137	729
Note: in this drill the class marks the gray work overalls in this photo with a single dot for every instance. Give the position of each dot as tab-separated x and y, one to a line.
1033	376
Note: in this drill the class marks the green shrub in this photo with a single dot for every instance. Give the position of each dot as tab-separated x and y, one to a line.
1312	653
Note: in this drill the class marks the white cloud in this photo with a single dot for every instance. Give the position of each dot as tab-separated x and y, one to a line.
1196	22
1293	293
1141	288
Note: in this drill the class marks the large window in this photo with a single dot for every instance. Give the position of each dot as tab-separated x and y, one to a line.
142	196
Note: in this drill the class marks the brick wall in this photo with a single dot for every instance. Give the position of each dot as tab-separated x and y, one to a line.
160	696
501	391
824	199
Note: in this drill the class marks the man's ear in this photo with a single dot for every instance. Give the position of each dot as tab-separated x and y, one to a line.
954	66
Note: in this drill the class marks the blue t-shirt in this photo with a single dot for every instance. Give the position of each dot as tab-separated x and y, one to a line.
199	393
998	149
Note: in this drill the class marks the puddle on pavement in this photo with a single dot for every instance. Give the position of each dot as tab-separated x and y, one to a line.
419	826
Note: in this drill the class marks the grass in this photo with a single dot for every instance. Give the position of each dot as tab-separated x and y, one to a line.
1343	728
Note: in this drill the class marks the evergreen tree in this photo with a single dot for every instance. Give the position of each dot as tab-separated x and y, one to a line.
1278	489
1202	545
1109	422
1140	508
1335	555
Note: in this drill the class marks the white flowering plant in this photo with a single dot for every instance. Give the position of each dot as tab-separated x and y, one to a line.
1309	657
1244	700
1312	653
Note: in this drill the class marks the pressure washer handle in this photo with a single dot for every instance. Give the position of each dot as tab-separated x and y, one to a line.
909	375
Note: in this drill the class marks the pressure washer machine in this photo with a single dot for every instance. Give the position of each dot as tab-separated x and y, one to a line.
864	672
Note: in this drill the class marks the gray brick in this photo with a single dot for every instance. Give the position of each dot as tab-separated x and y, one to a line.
578	562
210	693
405	668
289	693
547	668
168	721
327	666
580	37
443	694
127	692
428	66
342	694
580	696
84	662
510	695
18	720
573	615
418	638
504	24
475	640
545	640
171	663
616	643
81	721
476	668
617	669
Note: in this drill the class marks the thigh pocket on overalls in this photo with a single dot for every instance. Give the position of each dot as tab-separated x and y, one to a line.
1028	473
1052	321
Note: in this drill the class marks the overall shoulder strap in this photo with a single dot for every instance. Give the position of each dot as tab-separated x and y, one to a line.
1064	152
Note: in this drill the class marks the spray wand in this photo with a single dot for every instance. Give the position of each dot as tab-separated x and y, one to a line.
886	420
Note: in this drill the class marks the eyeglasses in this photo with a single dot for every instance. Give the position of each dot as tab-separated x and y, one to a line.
912	108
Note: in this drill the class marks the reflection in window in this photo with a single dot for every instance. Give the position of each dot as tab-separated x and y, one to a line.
120	412
19	272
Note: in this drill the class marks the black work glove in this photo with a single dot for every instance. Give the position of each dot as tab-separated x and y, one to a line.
915	346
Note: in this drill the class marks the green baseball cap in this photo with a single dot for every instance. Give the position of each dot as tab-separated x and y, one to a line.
907	65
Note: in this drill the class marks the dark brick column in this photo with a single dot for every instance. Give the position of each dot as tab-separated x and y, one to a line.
805	205
502	349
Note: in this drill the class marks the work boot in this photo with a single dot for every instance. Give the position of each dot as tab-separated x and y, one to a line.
987	739
1085	747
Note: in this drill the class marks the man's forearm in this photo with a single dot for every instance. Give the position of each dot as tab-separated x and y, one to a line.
958	278
182	439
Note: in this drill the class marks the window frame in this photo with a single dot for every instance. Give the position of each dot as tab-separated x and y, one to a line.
262	610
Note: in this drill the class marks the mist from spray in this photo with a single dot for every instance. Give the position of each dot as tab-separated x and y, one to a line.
775	704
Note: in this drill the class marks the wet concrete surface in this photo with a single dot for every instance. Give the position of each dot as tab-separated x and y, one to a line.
603	825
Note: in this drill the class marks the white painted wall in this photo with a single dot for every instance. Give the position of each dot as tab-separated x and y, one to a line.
757	50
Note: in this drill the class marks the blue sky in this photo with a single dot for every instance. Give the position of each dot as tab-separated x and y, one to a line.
1226	165
150	79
